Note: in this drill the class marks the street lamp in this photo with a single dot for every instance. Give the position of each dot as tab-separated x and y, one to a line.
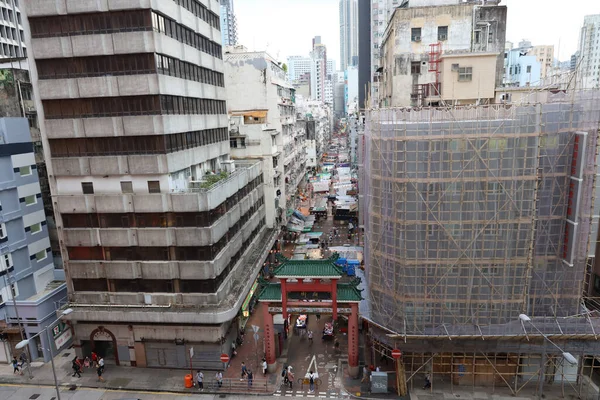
566	355
25	342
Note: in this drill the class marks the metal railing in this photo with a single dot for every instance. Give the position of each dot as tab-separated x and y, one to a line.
234	385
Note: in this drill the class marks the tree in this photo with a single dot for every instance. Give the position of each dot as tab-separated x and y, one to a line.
284	67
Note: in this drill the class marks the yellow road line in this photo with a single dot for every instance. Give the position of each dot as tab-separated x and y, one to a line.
101	389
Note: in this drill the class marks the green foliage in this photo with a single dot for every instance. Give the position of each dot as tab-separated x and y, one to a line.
284	67
210	180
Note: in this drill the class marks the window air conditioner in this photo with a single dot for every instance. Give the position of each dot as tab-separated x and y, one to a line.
454	67
417	38
443	37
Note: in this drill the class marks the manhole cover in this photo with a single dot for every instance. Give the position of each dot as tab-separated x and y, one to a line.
66	355
34	396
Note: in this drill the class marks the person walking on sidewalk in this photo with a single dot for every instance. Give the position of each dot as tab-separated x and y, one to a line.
15	364
100	371
250	377
200	380
244	371
311	381
94	359
290	378
23	359
284	375
76	368
219	378
264	366
427	381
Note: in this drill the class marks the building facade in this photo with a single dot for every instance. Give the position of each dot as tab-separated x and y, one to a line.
297	67
545	56
588	58
162	235
12	36
348	33
428	48
318	70
480	227
262	125
27	269
522	68
228	23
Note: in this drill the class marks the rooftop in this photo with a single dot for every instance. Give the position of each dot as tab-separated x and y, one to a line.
309	268
346	293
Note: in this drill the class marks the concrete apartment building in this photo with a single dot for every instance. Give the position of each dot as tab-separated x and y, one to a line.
12	36
481	225
521	68
588	57
27	270
348	33
162	235
318	69
262	117
446	51
228	24
545	56
319	122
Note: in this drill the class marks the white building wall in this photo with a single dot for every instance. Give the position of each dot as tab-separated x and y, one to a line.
589	53
352	89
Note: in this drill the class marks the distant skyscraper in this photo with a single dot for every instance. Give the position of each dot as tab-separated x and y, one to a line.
589	66
228	24
318	71
297	66
348	32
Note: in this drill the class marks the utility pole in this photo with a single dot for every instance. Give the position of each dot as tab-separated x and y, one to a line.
14	301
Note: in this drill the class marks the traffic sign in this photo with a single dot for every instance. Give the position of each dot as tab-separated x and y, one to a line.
396	353
224	358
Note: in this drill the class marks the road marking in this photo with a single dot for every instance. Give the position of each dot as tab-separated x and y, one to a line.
288	395
276	394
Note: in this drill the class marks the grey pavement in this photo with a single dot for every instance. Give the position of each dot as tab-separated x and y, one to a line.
45	393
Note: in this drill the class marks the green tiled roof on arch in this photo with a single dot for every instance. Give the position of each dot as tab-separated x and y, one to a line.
309	268
346	293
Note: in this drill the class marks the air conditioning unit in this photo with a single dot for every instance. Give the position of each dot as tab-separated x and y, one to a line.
454	67
30	109
417	38
443	37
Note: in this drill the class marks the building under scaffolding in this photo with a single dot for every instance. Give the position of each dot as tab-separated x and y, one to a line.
473	216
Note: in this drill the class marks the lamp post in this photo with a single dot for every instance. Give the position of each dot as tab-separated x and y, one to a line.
25	342
566	355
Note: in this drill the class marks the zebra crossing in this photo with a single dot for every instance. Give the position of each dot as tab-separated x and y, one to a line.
332	394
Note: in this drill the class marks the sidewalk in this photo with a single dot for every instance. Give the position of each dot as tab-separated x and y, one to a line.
125	378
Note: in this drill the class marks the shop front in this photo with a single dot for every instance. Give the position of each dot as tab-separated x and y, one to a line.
248	306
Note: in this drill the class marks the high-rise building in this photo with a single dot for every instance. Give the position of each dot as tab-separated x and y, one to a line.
382	11
365	56
27	270
228	23
298	66
348	32
12	37
588	60
161	234
318	70
480	230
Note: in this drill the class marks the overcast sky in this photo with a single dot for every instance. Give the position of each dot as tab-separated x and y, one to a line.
286	27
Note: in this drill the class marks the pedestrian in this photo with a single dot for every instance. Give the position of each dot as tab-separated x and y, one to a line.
76	367
311	381
377	369
318	317
264	367
200	380
427	381
15	364
100	371
310	337
23	359
219	378
365	377
95	359
290	377
284	375
244	371
86	362
250	377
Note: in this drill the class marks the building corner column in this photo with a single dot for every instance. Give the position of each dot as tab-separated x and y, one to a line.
334	298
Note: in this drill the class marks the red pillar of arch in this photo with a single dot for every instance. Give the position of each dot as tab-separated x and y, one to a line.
334	298
284	298
269	338
353	337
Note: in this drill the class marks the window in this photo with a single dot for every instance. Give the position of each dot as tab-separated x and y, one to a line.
24	171
415	34
490	36
465	74
415	67
529	69
41	255
30	200
442	33
13	290
6	262
126	187
35	228
87	187
477	36
3	233
153	187
32	119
